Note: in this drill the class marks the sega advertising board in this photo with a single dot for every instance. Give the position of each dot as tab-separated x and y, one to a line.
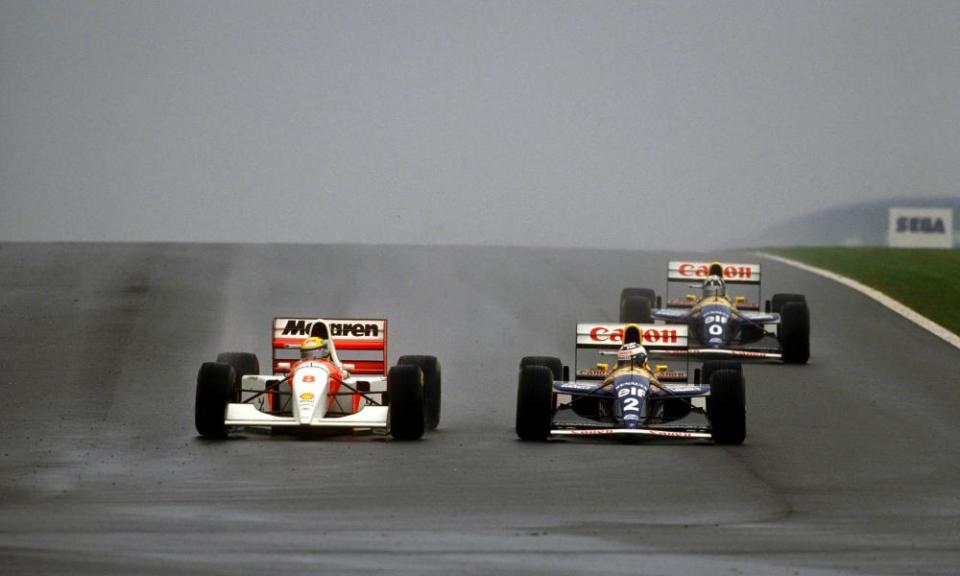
920	228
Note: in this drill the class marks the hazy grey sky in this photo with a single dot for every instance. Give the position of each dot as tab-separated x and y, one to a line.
609	124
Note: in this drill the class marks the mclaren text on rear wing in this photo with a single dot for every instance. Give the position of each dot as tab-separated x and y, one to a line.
361	342
682	270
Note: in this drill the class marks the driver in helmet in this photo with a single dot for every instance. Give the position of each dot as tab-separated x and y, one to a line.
314	348
714	286
632	357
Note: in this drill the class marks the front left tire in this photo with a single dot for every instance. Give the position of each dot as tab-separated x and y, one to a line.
405	387
795	332
430	367
726	407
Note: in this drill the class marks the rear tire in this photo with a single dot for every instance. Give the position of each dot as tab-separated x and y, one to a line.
405	386
551	362
647	293
243	363
534	403
726	408
216	384
711	366
776	304
795	332
430	367
635	310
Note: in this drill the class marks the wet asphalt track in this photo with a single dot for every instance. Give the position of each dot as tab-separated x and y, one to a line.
850	466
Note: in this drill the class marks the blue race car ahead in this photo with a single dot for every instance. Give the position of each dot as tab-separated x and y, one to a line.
722	325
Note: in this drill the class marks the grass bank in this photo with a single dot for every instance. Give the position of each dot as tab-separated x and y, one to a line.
926	280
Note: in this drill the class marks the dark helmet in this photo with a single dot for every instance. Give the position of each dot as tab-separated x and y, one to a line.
714	286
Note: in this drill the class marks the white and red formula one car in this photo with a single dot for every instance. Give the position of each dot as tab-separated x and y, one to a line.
346	387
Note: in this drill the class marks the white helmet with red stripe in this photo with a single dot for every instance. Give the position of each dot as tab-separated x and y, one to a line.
632	354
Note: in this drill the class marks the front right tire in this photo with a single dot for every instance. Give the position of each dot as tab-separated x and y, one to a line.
216	387
534	403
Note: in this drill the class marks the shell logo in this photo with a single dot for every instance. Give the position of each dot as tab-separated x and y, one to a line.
306	396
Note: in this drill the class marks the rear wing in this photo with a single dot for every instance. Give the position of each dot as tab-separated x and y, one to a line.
361	342
744	277
684	271
595	342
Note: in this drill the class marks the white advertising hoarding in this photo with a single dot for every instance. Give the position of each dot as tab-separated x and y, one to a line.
921	228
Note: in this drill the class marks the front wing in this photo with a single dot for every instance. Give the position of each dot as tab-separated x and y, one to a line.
719	353
626	432
247	415
583	427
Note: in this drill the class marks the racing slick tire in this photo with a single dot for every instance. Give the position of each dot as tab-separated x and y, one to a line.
776	304
795	332
726	407
551	362
647	293
635	309
405	386
711	366
216	385
430	367
243	363
534	403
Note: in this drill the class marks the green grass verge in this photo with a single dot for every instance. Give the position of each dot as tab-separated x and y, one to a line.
926	280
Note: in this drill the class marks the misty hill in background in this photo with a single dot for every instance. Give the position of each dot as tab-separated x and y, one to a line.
863	224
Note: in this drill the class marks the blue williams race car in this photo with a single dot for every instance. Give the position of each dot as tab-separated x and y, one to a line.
723	325
630	399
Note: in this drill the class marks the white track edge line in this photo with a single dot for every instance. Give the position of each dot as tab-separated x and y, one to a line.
898	307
